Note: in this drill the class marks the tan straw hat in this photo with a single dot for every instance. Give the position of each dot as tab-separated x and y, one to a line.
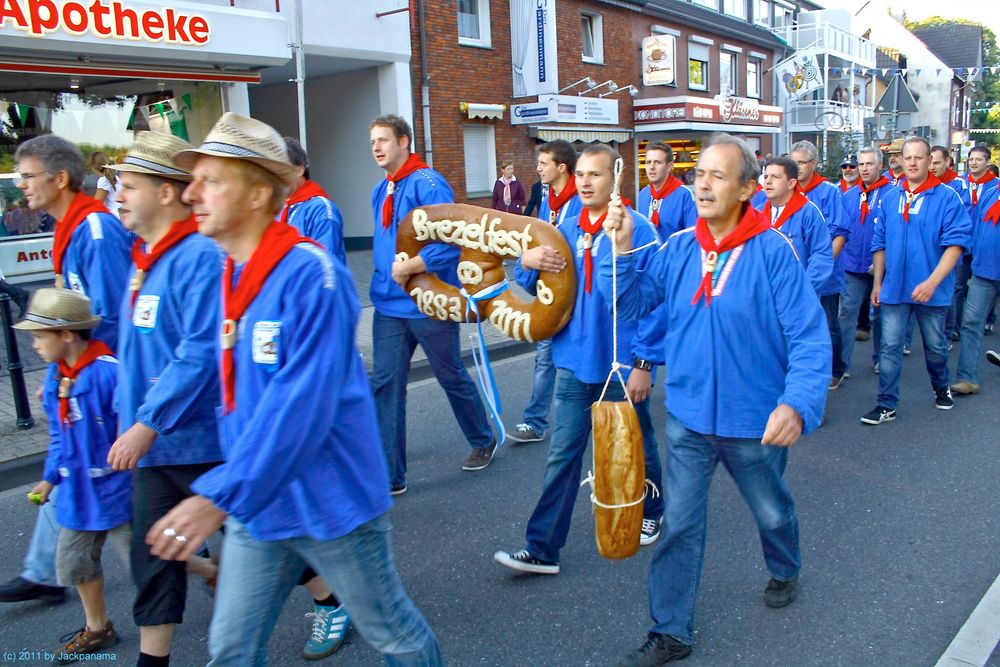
56	308
154	153
243	138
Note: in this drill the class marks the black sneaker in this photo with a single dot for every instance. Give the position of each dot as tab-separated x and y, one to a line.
650	531
993	357
522	561
781	593
19	590
398	490
480	458
988	330
943	399
658	650
879	415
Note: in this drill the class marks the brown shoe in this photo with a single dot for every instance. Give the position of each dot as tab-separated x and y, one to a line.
862	335
480	458
85	641
965	387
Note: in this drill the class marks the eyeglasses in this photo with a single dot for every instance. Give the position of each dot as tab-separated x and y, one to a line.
22	177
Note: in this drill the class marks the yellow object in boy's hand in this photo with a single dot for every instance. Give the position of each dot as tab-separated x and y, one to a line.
35	498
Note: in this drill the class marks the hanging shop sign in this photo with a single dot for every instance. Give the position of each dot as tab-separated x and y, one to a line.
659	60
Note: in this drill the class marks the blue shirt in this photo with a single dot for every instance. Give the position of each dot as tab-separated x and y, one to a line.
830	201
913	249
857	252
810	236
421	188
95	265
982	189
169	341
677	210
763	308
570	209
584	345
91	495
986	240
320	219
303	455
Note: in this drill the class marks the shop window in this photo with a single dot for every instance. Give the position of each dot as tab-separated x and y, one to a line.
697	66
728	73
480	160
753	78
737	8
474	22
762	13
592	29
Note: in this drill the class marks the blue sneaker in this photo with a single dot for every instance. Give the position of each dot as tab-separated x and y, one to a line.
329	629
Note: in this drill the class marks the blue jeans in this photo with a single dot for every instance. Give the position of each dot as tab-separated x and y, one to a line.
536	413
982	292
857	292
963	272
549	523
758	470
359	568
394	340
40	561
831	306
894	324
652	507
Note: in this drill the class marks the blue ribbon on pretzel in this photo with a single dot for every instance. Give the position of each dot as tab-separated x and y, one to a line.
481	357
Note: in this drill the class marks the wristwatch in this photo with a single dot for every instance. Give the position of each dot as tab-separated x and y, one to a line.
642	365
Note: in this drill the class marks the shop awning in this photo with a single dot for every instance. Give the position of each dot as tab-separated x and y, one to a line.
475	110
584	134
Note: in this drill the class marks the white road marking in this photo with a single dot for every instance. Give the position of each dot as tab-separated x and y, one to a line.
977	639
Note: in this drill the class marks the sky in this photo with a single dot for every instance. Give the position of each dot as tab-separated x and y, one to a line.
983	11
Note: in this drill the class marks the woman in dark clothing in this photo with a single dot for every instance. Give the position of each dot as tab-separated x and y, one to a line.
535	202
508	194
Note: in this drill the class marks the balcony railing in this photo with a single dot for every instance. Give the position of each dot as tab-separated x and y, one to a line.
831	39
816	115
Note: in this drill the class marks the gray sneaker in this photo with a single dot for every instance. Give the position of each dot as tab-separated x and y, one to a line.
480	457
524	433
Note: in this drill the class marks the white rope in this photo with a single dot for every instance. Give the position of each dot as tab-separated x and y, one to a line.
615	366
597	503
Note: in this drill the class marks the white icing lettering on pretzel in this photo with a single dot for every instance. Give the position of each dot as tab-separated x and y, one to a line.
485	236
543	293
436	305
513	323
470	273
401	257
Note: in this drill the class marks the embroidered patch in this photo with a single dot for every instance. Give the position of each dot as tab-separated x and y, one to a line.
266	337
75	283
146	308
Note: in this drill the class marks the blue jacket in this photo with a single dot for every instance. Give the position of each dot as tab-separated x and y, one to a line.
320	219
570	209
421	188
169	341
758	200
584	345
983	189
95	264
913	249
810	236
91	495
961	186
857	252
986	240
303	456
830	201
677	210
762	307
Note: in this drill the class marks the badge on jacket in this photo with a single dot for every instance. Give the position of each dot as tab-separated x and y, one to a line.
146	308
266	337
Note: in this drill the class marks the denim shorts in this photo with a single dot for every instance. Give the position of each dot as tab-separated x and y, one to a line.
78	553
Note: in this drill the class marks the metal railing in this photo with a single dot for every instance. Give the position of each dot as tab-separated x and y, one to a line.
829	38
810	115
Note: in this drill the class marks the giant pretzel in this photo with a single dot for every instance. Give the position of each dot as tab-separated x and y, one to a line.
488	237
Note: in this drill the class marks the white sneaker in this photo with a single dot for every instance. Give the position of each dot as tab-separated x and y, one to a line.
650	531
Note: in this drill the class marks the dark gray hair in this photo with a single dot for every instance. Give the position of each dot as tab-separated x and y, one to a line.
750	168
297	155
56	154
874	151
807	147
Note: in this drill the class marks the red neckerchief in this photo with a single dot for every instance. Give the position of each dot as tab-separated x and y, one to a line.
811	185
144	261
751	224
844	187
95	349
277	241
591	230
78	210
993	213
671	184
976	182
308	190
557	202
949	176
758	188
882	180
412	164
793	206
931	181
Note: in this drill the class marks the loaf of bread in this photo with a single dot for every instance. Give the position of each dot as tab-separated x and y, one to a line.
619	477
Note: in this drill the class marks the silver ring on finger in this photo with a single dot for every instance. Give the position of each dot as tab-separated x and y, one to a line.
181	539
169	532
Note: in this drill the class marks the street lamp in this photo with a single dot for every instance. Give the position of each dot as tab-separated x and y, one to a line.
612	86
630	89
587	81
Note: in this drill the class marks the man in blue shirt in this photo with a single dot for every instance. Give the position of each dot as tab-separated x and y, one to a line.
921	231
665	202
941	167
309	209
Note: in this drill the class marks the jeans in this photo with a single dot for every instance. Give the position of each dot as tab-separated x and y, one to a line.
536	413
831	306
652	507
359	568
395	339
549	523
857	295
963	272
40	561
894	325
758	470
982	293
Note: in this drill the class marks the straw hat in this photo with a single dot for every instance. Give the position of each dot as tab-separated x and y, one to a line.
154	153
243	138
896	146
55	308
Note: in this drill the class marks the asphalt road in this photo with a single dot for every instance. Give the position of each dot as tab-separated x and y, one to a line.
900	533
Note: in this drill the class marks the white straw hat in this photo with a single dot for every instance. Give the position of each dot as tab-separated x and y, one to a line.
56	308
243	138
155	154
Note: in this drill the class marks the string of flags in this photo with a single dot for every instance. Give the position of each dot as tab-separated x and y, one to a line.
913	71
21	116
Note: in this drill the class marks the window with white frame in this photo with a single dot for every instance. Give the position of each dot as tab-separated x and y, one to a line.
592	38
782	16
480	159
728	72
753	78
474	22
762	13
711	4
698	66
737	8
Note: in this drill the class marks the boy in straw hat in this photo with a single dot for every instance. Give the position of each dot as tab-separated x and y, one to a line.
78	395
298	428
168	382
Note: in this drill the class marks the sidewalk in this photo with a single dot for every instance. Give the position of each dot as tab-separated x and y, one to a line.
16	444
